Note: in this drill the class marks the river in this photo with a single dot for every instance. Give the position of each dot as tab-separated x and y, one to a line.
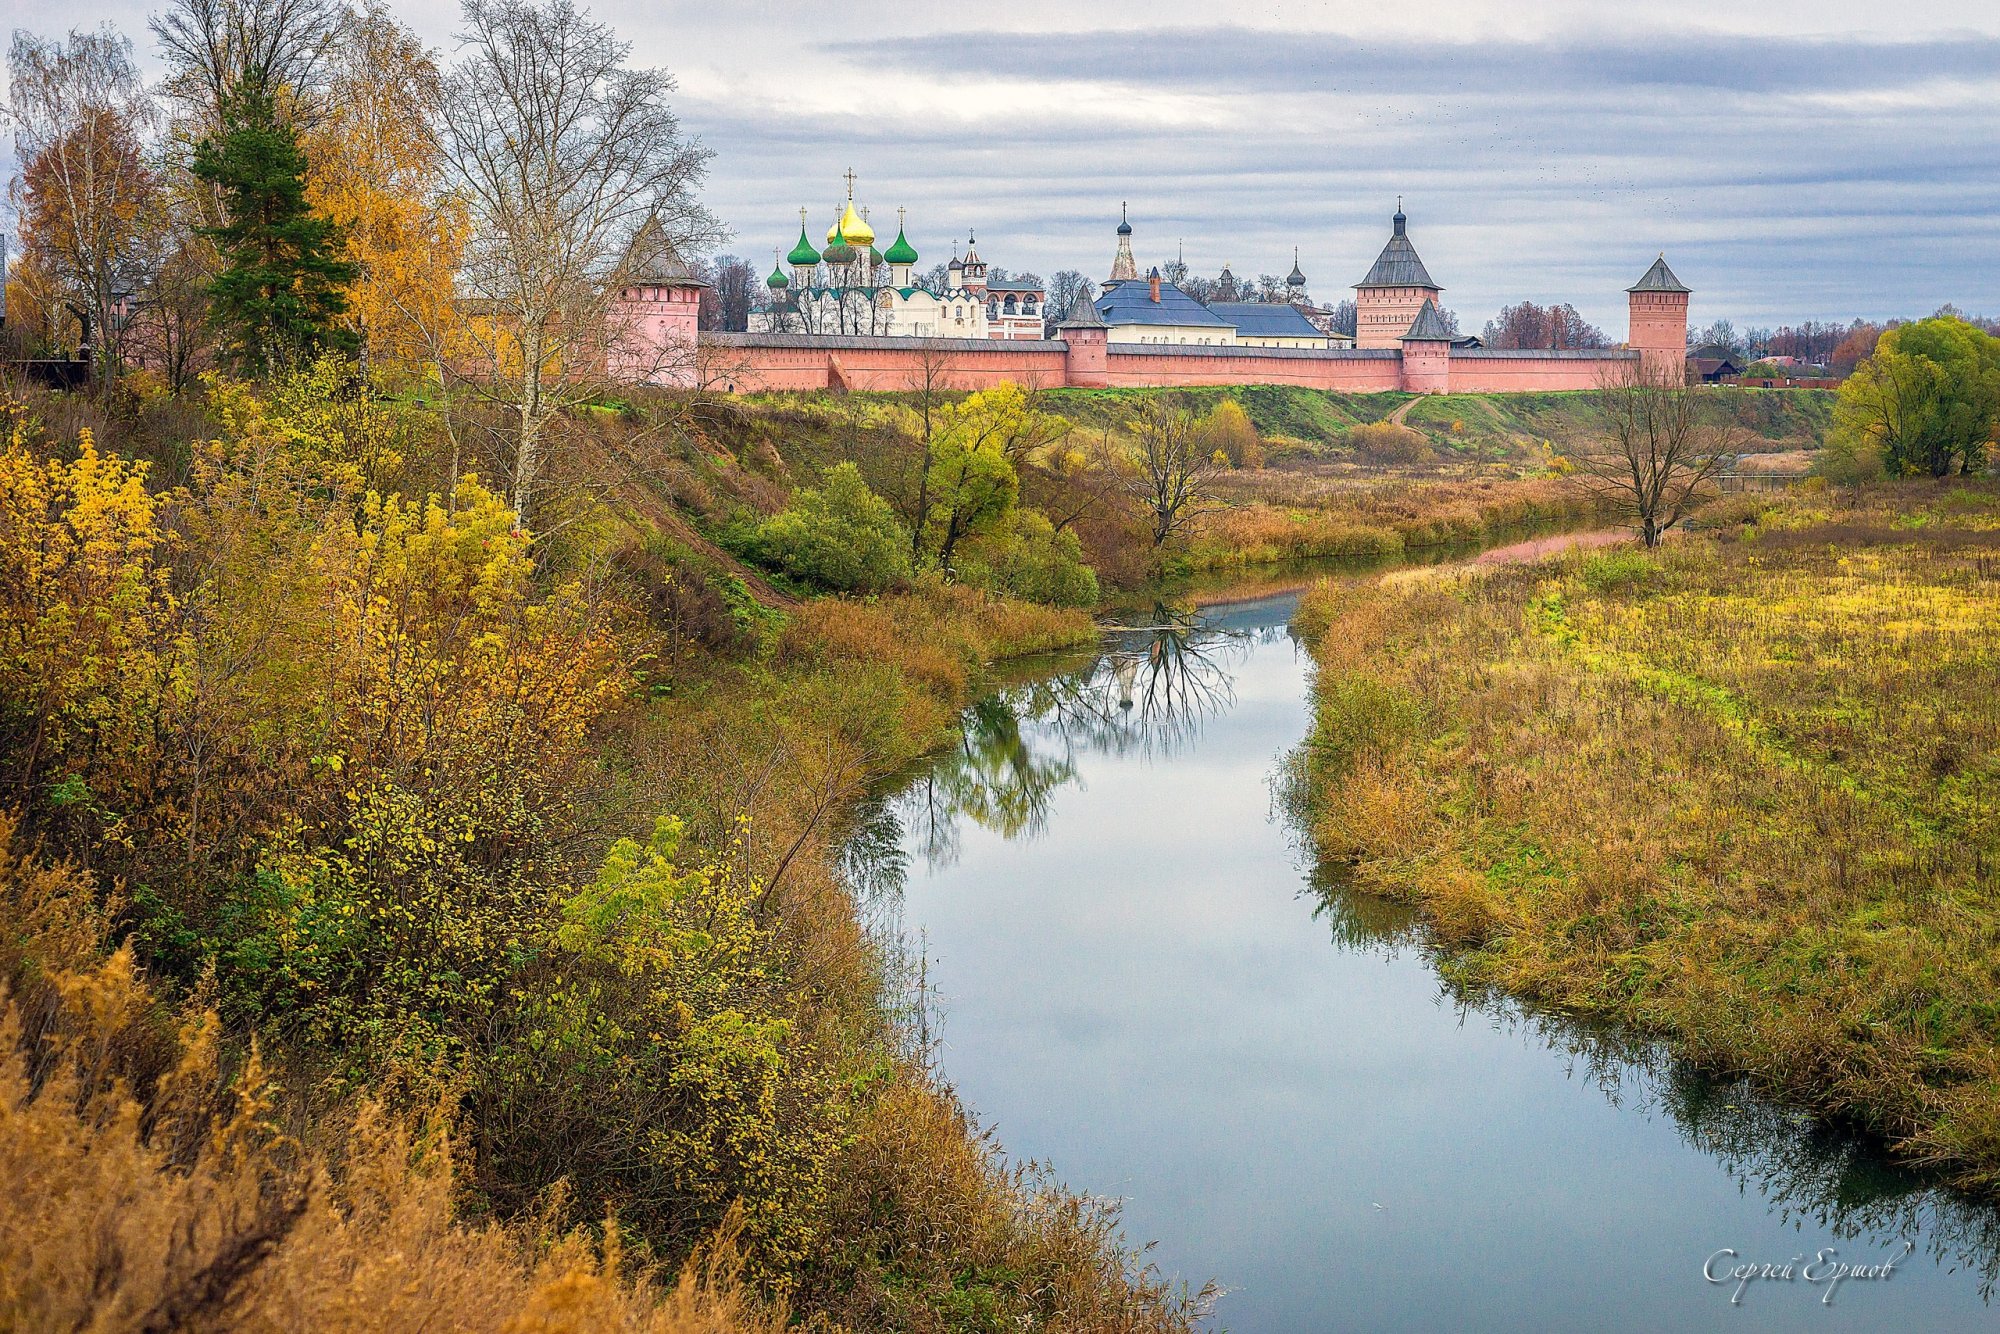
1133	972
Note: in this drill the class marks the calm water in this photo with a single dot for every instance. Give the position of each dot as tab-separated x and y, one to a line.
1135	977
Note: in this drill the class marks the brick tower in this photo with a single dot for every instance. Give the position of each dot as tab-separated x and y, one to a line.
1388	300
1658	329
656	316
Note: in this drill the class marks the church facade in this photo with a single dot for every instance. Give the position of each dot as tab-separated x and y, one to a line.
852	288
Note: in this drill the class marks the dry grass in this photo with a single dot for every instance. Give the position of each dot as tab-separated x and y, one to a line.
1280	516
1745	793
148	1199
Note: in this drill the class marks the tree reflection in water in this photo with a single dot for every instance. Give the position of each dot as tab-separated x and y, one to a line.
1147	692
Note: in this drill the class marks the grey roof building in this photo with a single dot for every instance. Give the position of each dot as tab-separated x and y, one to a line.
1131	302
1265	319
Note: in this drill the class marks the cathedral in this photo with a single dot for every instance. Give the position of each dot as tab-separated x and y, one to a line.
852	288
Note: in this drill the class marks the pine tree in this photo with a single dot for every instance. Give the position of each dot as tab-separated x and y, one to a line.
281	290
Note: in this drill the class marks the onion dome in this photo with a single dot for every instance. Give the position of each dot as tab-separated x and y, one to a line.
875	257
854	228
778	282
1124	225
839	252
803	253
1297	277
901	252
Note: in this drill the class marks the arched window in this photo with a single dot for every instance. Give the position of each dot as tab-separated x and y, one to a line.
1010	305
992	310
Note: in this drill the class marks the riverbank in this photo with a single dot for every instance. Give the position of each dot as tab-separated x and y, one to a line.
1740	792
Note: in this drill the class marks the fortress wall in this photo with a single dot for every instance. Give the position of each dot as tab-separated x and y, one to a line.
1185	367
1484	371
756	363
752	363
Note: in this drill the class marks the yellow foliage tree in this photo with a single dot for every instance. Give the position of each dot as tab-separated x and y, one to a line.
86	614
375	175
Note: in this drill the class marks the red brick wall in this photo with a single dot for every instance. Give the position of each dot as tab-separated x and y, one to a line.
749	363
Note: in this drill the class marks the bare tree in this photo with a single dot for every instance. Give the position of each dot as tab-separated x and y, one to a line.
1658	450
1062	293
85	192
1172	474
929	380
210	45
566	160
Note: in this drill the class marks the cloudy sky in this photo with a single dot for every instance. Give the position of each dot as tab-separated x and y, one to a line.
1793	160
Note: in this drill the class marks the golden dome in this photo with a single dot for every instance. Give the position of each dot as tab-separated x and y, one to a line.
854	229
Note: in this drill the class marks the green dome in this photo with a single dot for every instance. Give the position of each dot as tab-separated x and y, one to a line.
839	253
902	252
777	279
874	256
803	252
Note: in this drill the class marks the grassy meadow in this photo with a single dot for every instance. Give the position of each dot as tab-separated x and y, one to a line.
1743	792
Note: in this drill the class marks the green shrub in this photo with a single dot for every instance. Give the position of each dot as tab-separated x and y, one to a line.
840	536
1027	557
1603	571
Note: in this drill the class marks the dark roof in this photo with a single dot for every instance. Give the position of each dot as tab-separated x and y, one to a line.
1429	325
1398	265
1265	319
1011	286
1082	314
1131	302
1659	278
654	260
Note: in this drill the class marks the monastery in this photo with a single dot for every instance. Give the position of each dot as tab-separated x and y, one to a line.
853	288
1137	332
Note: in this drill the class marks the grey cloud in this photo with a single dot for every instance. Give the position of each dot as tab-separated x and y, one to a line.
1253	60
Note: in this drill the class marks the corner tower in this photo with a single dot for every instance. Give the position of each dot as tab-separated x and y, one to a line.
656	314
1388	301
1658	313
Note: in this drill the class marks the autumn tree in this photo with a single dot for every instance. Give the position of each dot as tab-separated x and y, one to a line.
563	155
971	483
1528	325
1658	451
84	194
1173	471
1228	430
1928	399
280	295
376	175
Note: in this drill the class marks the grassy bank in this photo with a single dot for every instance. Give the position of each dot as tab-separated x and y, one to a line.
1744	792
1306	517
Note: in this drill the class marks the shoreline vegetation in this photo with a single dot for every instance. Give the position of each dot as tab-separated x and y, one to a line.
1740	792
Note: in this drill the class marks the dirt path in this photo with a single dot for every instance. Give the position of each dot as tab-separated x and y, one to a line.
1396	418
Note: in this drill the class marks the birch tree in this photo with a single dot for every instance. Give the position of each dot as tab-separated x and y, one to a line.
562	156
